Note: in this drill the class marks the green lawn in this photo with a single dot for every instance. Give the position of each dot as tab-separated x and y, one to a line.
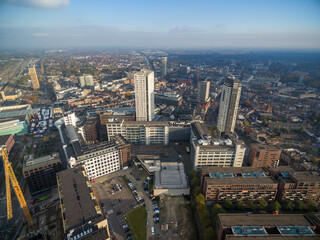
137	221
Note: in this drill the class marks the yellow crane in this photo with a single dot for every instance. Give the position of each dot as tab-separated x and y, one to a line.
10	176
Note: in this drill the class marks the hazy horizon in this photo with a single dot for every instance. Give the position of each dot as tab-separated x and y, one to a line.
183	24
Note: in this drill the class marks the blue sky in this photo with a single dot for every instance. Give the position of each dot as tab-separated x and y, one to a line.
175	23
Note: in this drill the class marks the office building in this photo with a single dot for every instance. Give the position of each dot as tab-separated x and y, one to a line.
34	78
90	130
264	155
228	108
164	66
99	159
295	185
40	173
206	151
82	217
170	99
203	91
140	132
144	95
70	119
124	148
241	183
238	226
86	80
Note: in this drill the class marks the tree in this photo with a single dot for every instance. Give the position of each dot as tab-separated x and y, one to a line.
287	205
252	206
128	95
265	122
196	190
262	205
274	206
195	182
228	205
310	206
200	200
246	123
208	233
298	205
240	205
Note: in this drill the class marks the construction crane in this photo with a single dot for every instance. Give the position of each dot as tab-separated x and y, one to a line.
10	176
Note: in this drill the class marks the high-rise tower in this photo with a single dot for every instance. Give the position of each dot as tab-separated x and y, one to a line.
34	78
228	108
144	95
164	66
203	91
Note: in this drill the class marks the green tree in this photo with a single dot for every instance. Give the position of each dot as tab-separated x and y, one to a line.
277	129
228	205
240	205
196	190
216	209
262	205
310	206
209	233
274	206
298	205
246	123
200	200
265	122
195	182
287	205
252	206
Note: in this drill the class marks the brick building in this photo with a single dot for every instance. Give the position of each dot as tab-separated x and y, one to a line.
124	148
241	183
264	155
90	129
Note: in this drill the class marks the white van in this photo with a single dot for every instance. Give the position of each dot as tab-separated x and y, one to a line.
152	230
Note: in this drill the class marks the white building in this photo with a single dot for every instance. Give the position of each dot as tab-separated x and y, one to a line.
144	95
208	152
140	132
203	91
98	159
86	80
70	119
164	66
228	108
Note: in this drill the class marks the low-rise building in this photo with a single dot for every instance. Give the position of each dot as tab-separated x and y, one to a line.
206	151
232	226
82	217
264	155
40	173
168	99
150	163
171	179
241	183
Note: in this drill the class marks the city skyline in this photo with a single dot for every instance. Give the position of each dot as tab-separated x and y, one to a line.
232	24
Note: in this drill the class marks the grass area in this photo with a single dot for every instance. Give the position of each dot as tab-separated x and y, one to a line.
137	221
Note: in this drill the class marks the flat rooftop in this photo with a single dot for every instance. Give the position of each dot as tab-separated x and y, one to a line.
234	170
249	231
295	231
269	237
32	163
230	219
200	130
240	180
145	123
79	206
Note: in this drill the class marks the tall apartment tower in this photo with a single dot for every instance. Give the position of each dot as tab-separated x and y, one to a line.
203	91
164	66
34	78
144	95
86	80
228	107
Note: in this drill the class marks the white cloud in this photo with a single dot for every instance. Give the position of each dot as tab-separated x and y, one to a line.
41	34
41	3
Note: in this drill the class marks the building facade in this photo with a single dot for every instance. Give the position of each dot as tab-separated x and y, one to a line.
264	155
228	108
86	80
34	78
90	130
144	95
169	99
99	159
208	152
40	173
241	183
124	148
140	132
203	91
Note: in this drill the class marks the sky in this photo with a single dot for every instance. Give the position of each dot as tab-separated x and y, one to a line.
251	24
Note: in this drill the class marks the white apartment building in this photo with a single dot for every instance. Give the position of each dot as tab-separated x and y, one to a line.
220	152
86	80
98	159
70	119
144	95
228	108
140	132
164	66
203	91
